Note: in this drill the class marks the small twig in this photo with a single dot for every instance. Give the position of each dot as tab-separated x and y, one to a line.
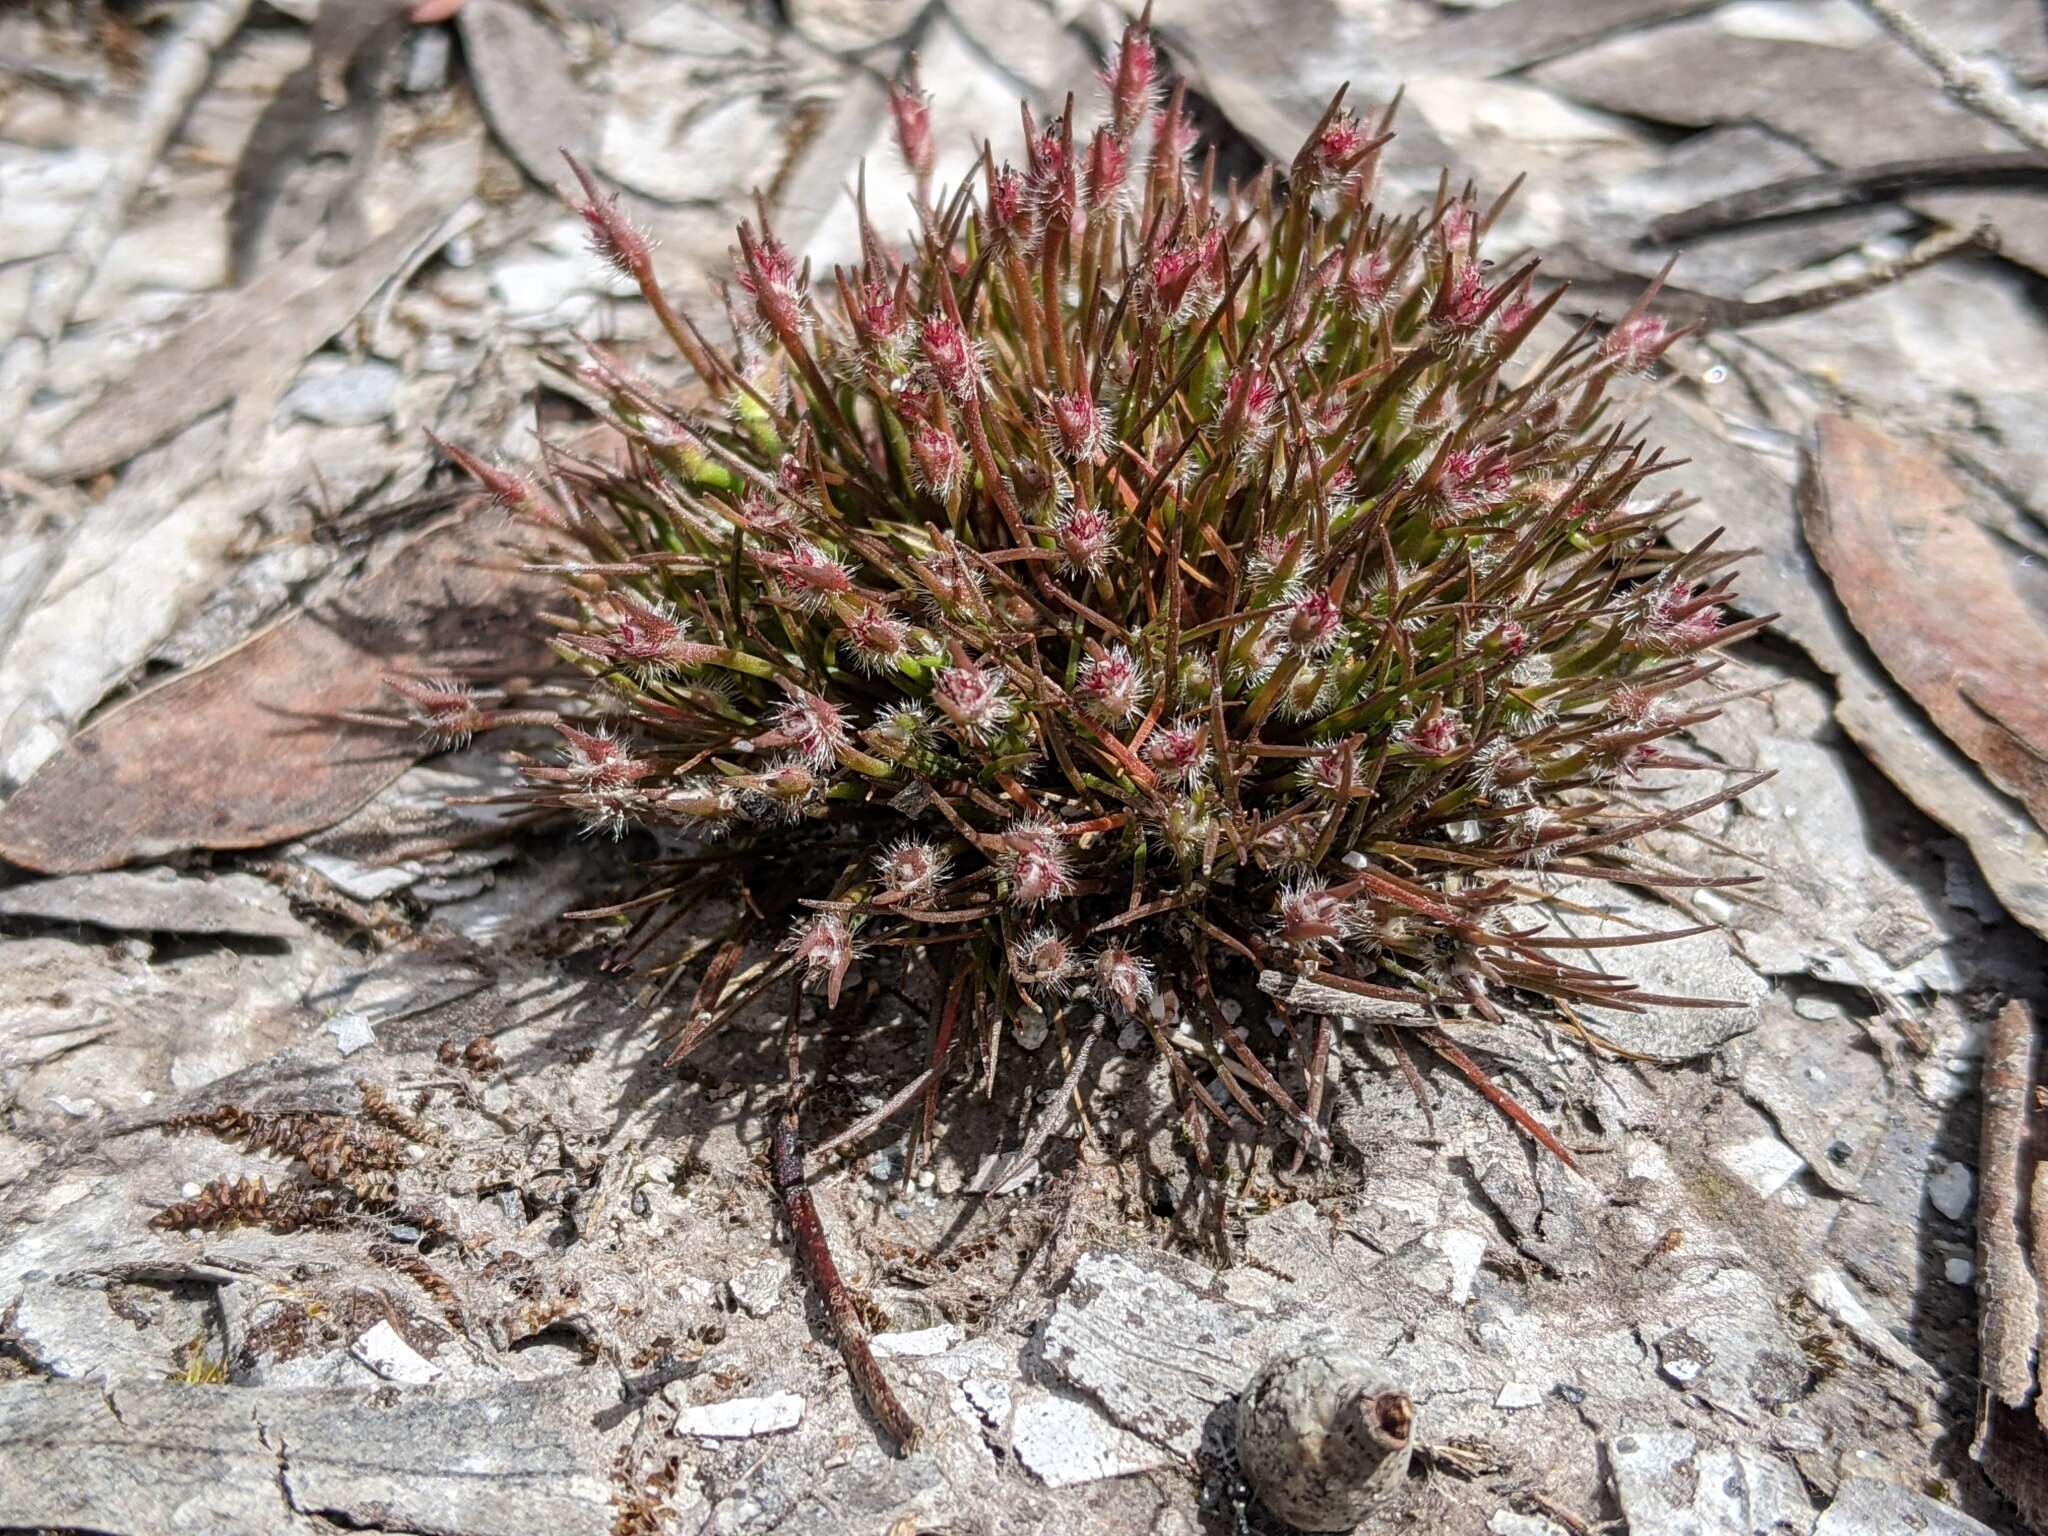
1055	1115
1970	85
786	1166
1825	192
867	1124
1411	1074
61	278
1318	1072
1497	1096
1684	306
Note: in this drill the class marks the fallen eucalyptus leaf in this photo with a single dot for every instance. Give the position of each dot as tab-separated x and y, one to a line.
1931	593
248	750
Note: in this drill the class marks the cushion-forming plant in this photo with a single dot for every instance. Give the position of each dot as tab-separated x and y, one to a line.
1123	587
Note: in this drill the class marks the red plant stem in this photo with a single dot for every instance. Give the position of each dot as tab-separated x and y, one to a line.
948	1017
786	1167
1497	1096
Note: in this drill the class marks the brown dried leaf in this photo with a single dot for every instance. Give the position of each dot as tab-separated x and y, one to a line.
328	105
247	750
521	70
1931	593
247	342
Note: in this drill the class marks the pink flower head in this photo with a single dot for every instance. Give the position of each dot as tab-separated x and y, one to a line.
950	356
1331	156
444	710
612	236
1311	916
645	638
1131	82
937	459
881	327
824	946
1636	343
1086	536
597	757
814	728
1044	961
607	778
1109	162
1174	137
1074	424
1037	863
808	572
1314	623
1055	195
1637	706
768	275
1181	280
1365	287
1123	978
1512	316
1180	751
974	701
1112	686
911	867
1461	312
1012	219
784	788
1513	638
1333	773
1454	229
912	110
1250	398
507	488
1436	734
793	476
879	639
1275	554
1470	481
1678	619
875	313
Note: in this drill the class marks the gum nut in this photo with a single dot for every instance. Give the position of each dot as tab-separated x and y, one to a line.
1323	1437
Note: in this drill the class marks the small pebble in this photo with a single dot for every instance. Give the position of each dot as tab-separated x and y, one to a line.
1518	1394
1960	1271
1952	1188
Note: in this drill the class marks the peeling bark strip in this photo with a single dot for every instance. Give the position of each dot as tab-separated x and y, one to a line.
786	1168
787	1162
2010	1318
140	1460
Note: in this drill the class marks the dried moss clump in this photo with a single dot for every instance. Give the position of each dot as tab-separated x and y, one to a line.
1126	585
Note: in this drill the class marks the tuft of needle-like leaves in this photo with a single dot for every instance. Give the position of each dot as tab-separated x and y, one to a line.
1125	586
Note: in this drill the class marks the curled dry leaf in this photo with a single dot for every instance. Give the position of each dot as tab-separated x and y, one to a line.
521	71
249	749
1935	598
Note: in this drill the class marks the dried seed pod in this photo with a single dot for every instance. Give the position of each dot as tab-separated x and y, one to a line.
1323	1437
